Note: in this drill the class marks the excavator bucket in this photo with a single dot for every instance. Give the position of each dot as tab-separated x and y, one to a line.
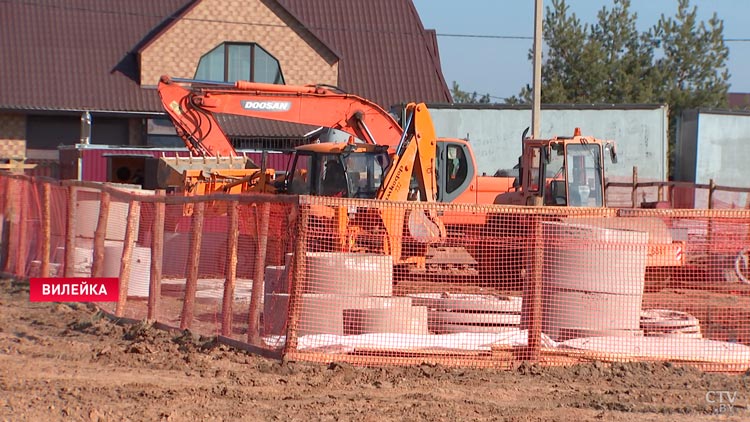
168	172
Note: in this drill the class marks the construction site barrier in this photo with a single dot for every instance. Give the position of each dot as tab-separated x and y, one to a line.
383	283
637	193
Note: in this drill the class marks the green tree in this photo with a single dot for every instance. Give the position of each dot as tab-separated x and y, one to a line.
692	67
463	97
605	62
679	61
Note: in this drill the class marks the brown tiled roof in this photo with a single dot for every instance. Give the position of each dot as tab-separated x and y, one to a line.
76	54
245	127
386	54
72	55
738	100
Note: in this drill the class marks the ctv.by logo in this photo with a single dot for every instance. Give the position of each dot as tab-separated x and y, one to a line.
725	402
266	105
722	401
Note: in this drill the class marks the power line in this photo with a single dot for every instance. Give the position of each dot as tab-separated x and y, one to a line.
262	24
496	37
522	37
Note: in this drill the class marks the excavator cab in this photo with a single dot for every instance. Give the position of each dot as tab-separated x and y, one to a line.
339	170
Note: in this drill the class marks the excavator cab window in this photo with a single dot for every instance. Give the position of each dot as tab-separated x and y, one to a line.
534	168
365	171
299	182
332	177
348	174
557	194
457	168
352	174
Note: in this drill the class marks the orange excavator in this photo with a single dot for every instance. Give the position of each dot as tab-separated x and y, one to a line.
445	171
569	171
380	160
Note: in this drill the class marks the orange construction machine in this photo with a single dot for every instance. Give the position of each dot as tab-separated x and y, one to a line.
383	160
569	171
445	171
380	160
561	171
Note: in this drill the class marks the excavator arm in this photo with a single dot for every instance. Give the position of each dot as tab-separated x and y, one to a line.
192	107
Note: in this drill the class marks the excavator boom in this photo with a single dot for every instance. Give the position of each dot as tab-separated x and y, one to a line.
192	107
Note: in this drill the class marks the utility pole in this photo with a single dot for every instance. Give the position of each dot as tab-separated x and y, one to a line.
537	83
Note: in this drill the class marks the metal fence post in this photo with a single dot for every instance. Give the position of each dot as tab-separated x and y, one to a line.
634	193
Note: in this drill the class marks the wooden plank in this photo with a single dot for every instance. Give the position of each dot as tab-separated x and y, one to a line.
157	254
532	294
194	255
46	228
70	232
134	211
256	296
123	195
23	238
99	235
298	280
227	303
11	206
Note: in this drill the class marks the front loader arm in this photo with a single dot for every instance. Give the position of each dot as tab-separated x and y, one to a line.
415	158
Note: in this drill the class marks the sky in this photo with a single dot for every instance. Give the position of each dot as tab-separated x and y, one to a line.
500	67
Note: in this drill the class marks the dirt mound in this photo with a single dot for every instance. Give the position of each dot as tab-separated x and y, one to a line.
69	362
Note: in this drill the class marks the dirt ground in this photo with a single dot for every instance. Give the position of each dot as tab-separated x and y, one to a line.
67	362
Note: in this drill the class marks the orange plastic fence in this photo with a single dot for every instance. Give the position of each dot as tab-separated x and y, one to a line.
330	279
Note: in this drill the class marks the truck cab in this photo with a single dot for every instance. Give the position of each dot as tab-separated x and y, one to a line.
561	172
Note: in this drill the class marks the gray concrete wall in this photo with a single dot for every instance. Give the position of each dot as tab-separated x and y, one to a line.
723	148
720	143
640	133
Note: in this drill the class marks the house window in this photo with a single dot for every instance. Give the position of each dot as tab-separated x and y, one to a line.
230	62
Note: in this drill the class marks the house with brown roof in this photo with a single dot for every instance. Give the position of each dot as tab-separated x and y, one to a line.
62	58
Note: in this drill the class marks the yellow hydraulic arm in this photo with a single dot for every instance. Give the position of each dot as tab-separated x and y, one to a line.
415	157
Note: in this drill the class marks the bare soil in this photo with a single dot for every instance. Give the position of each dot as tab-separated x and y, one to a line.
68	362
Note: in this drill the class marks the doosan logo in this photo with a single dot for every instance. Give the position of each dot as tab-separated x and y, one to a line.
267	105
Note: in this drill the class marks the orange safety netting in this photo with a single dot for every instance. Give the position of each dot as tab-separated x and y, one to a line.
371	282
